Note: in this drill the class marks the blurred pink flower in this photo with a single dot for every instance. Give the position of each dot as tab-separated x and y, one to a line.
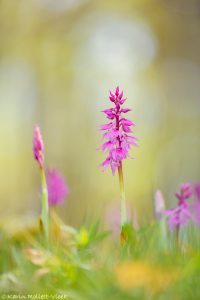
178	216
38	147
197	191
181	214
57	188
185	192
116	133
196	204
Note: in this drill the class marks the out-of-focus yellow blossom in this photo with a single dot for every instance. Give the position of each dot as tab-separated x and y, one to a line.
83	237
140	274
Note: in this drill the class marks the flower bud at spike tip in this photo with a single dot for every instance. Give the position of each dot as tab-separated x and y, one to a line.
159	204
38	146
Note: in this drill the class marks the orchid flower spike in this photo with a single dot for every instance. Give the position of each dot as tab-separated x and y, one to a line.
38	151
119	140
117	133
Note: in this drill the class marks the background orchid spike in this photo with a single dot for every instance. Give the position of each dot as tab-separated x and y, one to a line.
159	204
57	187
181	214
38	146
117	133
38	150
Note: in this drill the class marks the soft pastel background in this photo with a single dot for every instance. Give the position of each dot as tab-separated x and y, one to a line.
58	59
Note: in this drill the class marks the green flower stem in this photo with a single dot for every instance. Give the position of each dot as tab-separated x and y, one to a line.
163	234
177	236
122	196
45	205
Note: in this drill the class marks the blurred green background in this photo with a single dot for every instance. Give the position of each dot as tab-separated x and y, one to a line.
58	60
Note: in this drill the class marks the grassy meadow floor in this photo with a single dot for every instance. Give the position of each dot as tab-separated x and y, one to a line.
87	264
